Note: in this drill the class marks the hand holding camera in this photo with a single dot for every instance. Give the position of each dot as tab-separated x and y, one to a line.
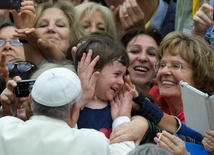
23	88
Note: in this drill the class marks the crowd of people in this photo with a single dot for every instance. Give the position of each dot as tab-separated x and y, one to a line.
105	75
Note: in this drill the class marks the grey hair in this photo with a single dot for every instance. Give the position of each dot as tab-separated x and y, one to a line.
149	149
61	112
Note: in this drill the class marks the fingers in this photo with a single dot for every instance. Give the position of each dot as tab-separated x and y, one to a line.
208	140
204	15
131	14
124	16
170	142
129	86
86	64
3	67
121	133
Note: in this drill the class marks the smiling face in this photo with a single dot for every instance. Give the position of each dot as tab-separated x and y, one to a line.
93	23
141	50
168	79
12	52
53	24
110	81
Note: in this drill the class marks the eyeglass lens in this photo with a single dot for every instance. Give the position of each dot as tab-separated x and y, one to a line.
21	66
14	42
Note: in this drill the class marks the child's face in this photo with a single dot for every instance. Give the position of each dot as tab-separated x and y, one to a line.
110	81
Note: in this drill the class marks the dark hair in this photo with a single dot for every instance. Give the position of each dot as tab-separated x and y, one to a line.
7	25
105	46
152	32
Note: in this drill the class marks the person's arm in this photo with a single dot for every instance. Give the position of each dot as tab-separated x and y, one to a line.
154	114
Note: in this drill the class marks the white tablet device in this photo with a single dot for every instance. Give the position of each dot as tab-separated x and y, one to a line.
198	108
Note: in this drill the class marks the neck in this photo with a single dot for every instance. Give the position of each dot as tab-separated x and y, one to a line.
143	88
96	103
148	7
175	105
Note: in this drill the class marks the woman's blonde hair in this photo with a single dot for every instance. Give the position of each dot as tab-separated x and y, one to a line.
91	8
196	52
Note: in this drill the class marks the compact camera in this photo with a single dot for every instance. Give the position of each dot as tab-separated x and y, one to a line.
24	88
10	4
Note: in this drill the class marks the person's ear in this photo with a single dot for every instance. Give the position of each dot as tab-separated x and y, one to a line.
73	51
74	115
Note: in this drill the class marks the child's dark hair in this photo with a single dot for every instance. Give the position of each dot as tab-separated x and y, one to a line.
105	46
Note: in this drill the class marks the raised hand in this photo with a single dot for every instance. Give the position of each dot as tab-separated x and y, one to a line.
203	19
88	77
131	14
25	17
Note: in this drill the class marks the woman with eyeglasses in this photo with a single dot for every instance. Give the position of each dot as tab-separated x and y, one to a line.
164	124
9	44
182	57
188	58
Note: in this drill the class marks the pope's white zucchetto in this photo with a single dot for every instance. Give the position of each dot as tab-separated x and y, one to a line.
57	87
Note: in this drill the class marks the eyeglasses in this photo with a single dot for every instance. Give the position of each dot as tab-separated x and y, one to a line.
172	66
14	42
22	66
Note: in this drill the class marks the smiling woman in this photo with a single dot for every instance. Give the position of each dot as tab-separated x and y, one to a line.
141	46
182	57
55	30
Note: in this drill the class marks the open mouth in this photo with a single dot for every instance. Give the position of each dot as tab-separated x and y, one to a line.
141	69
